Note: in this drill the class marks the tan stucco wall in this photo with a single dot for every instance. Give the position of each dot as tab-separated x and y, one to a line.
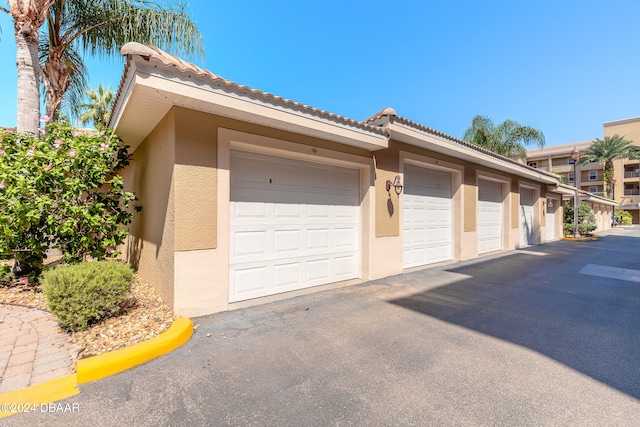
629	130
388	206
181	172
202	182
470	199
150	175
195	177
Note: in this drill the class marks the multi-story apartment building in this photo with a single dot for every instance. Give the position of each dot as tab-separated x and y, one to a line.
589	177
626	171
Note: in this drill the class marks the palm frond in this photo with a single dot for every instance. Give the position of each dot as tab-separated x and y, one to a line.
508	139
98	109
106	25
608	149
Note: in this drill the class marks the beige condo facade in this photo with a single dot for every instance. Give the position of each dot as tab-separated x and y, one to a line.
248	197
590	177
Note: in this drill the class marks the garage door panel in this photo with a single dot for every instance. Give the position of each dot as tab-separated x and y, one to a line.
526	216
287	210
287	174
288	274
250	243
318	269
427	216
318	238
344	265
348	181
318	178
346	238
289	228
287	241
490	216
255	171
250	204
250	280
551	219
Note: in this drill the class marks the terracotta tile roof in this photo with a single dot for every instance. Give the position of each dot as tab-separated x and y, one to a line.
390	113
153	54
374	124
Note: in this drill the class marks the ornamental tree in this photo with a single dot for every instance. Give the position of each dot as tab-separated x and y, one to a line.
62	190
508	139
586	219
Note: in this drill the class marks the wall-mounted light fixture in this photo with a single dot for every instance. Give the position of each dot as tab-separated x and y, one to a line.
395	184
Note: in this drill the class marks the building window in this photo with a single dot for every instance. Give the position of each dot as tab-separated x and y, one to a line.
593	175
593	189
533	164
572	177
571	161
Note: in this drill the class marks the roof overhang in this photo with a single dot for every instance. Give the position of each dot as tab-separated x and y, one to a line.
150	89
410	135
630	206
596	199
562	189
569	192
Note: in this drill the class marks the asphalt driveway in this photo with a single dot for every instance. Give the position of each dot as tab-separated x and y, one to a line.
549	335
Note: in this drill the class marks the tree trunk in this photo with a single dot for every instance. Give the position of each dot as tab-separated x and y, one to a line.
28	118
55	76
607	176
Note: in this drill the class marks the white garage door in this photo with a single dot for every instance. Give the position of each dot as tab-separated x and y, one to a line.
293	225
490	215
426	216
526	217
551	220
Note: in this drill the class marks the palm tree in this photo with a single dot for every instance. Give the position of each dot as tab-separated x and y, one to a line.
28	16
508	139
94	27
101	27
98	109
605	151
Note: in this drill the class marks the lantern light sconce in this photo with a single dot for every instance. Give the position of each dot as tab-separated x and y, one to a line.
395	184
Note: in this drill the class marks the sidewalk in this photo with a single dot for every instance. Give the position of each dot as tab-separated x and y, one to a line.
32	348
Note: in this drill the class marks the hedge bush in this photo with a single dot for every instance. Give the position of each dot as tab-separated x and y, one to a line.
83	294
586	219
624	217
62	189
5	274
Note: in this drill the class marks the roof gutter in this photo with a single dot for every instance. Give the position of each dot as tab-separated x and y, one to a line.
150	88
410	135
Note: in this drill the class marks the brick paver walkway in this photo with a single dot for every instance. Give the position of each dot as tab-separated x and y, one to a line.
32	348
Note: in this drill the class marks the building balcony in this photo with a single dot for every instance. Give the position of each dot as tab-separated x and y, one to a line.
562	168
590	167
632	174
633	192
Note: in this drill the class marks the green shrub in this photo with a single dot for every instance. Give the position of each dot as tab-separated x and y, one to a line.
85	293
586	219
5	274
62	190
624	217
567	228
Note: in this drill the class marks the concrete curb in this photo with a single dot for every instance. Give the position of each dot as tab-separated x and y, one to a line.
581	239
94	368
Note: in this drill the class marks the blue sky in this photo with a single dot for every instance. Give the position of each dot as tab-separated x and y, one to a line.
564	67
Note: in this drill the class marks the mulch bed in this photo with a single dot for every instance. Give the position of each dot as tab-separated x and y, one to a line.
144	316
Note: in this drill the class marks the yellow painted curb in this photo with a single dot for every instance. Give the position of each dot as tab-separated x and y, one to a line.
94	368
103	365
30	399
578	239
